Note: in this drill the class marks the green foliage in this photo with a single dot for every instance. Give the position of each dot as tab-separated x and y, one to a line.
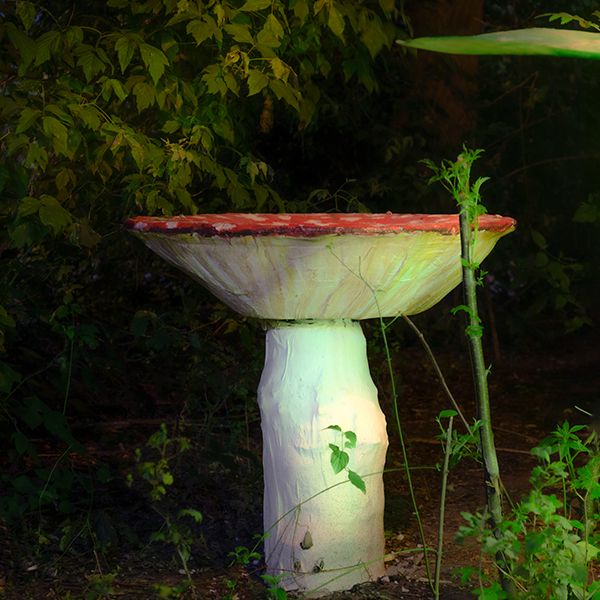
461	445
244	556
161	107
550	538
100	586
566	18
171	591
558	272
533	41
274	590
340	458
170	129
456	179
156	473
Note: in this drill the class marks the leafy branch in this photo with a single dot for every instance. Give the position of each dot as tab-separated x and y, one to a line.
340	458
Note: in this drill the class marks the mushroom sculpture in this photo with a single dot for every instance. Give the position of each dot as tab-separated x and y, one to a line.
311	277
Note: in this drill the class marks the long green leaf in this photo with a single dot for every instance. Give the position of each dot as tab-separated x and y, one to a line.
534	41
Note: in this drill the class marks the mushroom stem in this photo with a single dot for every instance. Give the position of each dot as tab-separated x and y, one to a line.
316	375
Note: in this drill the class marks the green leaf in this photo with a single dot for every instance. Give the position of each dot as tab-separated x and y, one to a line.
8	377
53	214
24	485
88	113
257	81
301	10
272	32
27	119
28	206
587	212
534	41
202	29
86	236
339	459
26	13
73	36
280	69
538	239
58	132
357	481
171	126
155	61
335	428
240	33
474	331
286	92
335	22
213	78
47	44
446	414
37	157
23	43
57	111
5	319
23	235
350	439
387	6
251	5
22	443
115	86
231	82
460	308
373	37
190	512
144	95
125	47
89	62
65	178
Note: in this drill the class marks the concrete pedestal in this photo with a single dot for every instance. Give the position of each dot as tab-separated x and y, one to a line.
316	375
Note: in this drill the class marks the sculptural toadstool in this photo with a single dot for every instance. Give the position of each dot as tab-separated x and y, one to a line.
311	277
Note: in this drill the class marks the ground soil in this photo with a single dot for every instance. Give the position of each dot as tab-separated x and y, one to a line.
531	390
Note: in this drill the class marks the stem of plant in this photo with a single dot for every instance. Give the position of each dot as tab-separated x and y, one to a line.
480	373
456	178
440	544
411	489
437	369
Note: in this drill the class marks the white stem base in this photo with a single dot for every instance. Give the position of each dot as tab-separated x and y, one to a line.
316	375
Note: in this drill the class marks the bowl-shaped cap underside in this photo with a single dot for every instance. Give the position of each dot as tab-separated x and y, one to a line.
320	266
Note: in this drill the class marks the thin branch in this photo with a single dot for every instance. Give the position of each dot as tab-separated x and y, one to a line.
438	371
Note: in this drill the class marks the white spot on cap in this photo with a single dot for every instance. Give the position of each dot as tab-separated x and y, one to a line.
223	226
140	225
171	225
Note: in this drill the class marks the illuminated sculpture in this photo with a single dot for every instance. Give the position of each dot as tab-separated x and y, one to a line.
310	278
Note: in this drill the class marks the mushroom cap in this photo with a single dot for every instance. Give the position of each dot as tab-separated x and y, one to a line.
320	266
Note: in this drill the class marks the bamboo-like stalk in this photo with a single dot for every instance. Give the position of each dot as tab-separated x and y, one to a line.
480	374
456	178
468	200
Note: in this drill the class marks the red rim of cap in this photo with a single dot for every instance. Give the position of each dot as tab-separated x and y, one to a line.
310	225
